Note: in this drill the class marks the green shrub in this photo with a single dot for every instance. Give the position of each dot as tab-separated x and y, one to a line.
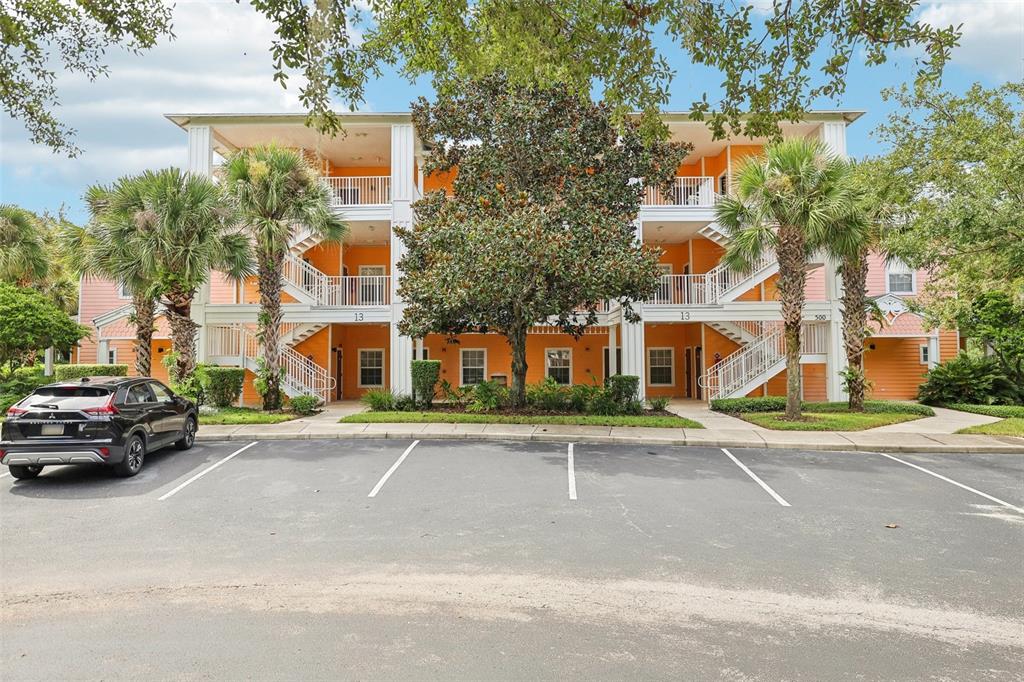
8	399
223	385
624	388
603	403
967	378
405	403
487	397
303	404
548	395
1002	411
71	372
24	380
379	400
580	396
425	374
193	386
455	395
773	403
658	404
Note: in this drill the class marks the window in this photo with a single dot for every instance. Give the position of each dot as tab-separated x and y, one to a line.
923	350
140	393
163	395
122	291
112	356
900	279
371	368
660	366
558	364
474	365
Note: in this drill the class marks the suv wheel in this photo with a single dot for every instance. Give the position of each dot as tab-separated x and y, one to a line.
134	454
25	471
188	436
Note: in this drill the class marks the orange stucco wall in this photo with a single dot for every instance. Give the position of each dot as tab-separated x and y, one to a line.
676	255
706	255
677	336
436	181
354	256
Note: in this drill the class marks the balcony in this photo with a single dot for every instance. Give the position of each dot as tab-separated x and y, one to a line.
694	192
371	190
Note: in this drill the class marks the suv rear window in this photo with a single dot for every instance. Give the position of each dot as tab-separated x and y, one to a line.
68	397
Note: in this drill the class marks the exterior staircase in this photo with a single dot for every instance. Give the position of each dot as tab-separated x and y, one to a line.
237	345
310	286
759	360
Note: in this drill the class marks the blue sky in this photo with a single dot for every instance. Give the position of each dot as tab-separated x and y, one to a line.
219	63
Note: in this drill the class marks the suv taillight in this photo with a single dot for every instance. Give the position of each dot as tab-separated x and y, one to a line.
105	409
15	411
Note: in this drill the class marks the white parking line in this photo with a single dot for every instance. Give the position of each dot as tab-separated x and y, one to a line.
572	475
385	477
767	488
206	471
950	480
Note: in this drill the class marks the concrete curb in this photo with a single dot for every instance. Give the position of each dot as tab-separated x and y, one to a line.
836	441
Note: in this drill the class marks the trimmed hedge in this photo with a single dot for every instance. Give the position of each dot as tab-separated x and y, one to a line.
304	404
1002	411
69	372
778	404
425	374
223	385
623	388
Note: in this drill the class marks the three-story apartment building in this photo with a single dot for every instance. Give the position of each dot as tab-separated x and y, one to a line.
707	331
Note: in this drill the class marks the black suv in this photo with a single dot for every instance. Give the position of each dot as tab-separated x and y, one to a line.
97	420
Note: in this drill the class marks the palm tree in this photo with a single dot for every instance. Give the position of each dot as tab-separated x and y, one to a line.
788	200
105	248
22	246
177	227
274	191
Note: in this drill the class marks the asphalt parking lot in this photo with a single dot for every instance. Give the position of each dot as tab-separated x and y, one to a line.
383	559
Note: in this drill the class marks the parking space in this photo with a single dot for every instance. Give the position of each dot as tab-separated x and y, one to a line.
799	531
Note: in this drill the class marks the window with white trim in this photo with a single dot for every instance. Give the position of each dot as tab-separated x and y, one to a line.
660	366
923	351
371	367
558	364
474	366
111	356
900	278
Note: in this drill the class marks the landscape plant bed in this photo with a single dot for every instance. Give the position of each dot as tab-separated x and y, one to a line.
451	415
244	415
827	421
1002	411
1013	426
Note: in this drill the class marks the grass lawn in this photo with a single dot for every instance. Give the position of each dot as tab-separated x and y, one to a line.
663	421
1014	426
828	421
245	415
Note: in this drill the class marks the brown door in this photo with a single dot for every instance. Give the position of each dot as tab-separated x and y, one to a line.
688	368
698	361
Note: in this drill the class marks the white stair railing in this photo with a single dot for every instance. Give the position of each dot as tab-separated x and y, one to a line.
304	277
301	375
327	290
724	279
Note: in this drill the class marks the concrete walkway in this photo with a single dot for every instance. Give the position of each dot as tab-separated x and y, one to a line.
332	412
698	411
944	421
734	438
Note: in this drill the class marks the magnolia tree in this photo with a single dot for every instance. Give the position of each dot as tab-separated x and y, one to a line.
540	228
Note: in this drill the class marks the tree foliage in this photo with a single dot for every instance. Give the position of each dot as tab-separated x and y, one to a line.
996	321
30	323
775	60
790	201
955	180
41	36
541	221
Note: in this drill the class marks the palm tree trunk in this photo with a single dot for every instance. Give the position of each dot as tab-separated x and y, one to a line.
517	342
854	270
145	312
792	281
269	279
183	331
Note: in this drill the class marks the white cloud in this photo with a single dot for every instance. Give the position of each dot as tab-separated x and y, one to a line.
993	35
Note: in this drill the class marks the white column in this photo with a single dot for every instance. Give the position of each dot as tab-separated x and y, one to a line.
403	142
633	349
102	352
48	362
200	162
613	365
835	355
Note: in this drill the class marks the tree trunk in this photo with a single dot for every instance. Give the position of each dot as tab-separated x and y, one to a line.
517	342
183	332
792	281
854	270
269	274
145	312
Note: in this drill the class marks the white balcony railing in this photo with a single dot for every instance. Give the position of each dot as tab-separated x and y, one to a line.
698	192
359	290
371	190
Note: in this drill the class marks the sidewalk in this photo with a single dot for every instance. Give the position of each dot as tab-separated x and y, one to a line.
709	437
